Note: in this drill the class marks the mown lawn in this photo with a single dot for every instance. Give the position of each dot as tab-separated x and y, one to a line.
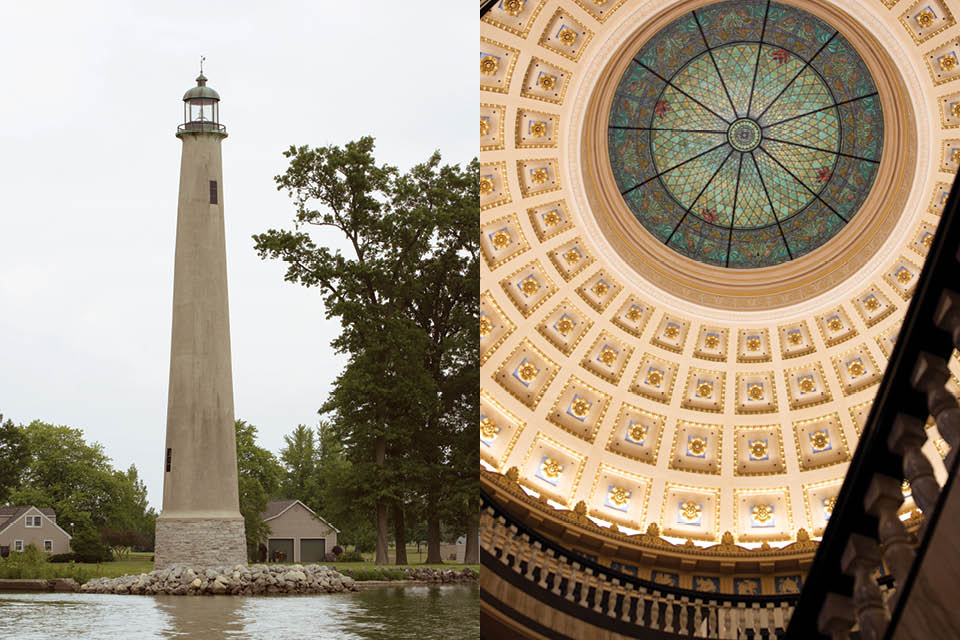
38	568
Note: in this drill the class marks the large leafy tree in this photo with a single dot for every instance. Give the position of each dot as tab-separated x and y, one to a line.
258	475
66	473
299	456
14	455
404	287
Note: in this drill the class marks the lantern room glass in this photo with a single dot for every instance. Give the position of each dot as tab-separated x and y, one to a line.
201	110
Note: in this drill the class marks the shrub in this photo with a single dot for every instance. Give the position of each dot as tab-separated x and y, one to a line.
351	556
25	564
88	547
363	575
337	550
63	557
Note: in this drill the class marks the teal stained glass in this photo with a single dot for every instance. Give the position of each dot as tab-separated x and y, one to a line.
745	134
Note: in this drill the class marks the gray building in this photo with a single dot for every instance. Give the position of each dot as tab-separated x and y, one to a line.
297	534
22	526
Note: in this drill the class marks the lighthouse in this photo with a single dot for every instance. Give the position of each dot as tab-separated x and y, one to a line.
200	523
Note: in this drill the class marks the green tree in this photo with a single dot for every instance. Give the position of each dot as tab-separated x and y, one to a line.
299	457
259	476
409	236
14	455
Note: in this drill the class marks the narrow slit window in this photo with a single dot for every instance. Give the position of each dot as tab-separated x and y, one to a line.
213	192
169	454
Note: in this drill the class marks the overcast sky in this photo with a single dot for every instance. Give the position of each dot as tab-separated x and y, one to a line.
89	170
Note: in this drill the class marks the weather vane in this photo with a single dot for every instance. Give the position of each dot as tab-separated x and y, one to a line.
202	58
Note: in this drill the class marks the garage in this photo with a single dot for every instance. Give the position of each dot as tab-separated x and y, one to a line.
312	549
280	550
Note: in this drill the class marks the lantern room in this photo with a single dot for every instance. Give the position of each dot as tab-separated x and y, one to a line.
201	109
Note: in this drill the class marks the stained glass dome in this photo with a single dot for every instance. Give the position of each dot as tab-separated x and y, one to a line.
745	134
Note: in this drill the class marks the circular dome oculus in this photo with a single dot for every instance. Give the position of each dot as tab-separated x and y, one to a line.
745	134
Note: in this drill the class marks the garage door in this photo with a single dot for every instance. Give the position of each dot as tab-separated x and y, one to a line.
280	550
312	549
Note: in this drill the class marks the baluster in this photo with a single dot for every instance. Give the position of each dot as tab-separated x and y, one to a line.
882	500
697	618
668	618
655	611
752	619
768	617
534	560
906	438
584	587
684	615
725	620
642	598
930	376
571	580
759	619
598	582
740	619
627	602
499	541
780	616
836	616
612	600
556	564
947	315
486	528
508	543
544	563
521	552
860	558
714	622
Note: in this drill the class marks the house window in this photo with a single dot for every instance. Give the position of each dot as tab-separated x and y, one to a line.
18	545
33	522
213	192
169	454
48	546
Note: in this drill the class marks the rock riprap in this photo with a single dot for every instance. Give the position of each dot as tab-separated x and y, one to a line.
444	576
238	580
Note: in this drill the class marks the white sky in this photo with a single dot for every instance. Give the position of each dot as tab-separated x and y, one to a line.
89	170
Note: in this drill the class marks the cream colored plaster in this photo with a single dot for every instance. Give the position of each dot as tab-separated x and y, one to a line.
584	73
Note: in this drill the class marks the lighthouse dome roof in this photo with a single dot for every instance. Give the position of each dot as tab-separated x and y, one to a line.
201	90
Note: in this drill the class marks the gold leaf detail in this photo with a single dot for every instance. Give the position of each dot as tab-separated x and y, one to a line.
580	407
489	65
547	82
697	445
486	326
552	468
538	129
567	36
527	371
486	186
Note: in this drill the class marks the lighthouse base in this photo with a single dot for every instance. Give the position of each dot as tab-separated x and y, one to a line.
198	541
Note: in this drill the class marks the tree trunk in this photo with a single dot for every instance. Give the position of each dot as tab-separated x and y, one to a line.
433	527
471	554
381	555
399	533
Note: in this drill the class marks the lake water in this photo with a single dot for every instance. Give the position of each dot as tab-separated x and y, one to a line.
382	613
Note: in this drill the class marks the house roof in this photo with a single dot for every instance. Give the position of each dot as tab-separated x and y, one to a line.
276	508
9	515
8	512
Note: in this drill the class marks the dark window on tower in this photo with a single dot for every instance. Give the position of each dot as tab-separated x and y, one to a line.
169	453
213	192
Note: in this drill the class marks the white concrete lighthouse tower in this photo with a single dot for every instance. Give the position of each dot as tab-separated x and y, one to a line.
200	523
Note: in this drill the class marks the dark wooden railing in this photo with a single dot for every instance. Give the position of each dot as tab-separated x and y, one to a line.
864	528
